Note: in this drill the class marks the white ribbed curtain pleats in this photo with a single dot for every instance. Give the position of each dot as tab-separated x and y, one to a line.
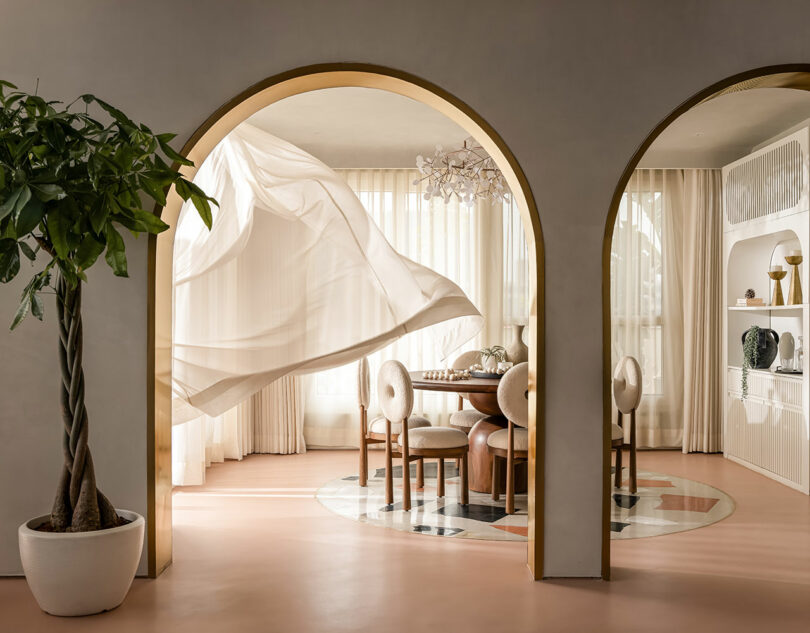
482	249
665	303
276	416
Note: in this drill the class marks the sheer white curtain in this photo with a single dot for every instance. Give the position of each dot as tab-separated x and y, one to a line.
665	303
482	249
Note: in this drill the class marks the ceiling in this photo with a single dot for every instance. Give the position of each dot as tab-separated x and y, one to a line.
370	128
720	131
359	127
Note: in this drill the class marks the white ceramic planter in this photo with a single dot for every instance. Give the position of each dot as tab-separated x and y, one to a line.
81	573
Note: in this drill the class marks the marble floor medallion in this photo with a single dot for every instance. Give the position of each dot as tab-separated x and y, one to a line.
663	504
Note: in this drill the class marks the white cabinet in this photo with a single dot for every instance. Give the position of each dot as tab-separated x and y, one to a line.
766	215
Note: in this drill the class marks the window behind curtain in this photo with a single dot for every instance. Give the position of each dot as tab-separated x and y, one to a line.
636	281
482	249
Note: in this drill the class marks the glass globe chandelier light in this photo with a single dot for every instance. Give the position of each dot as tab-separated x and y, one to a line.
468	172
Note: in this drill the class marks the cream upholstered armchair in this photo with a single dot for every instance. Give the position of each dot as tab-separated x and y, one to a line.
395	393
465	419
627	396
511	443
379	431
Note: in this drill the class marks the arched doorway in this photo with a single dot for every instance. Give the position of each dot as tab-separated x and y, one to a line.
795	76
219	124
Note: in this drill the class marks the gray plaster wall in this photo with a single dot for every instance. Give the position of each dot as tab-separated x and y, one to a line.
573	88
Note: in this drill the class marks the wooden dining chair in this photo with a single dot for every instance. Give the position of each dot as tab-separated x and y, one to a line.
395	393
511	443
378	432
627	396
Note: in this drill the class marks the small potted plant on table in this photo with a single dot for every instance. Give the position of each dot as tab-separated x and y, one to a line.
68	184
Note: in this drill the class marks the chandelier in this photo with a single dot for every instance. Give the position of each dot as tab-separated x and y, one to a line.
469	172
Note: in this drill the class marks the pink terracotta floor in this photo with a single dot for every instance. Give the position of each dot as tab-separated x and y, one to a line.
254	551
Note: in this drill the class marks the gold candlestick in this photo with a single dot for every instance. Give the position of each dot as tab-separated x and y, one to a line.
795	291
777	276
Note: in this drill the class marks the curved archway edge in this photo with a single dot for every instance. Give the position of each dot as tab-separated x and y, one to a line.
159	324
796	76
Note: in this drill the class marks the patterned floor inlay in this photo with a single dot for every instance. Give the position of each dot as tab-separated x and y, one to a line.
663	504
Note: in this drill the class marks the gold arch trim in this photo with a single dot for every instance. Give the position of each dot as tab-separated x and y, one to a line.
795	76
197	148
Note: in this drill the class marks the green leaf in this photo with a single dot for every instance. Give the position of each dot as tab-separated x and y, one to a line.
152	189
12	201
29	252
58	230
115	255
22	311
29	217
151	222
88	252
203	208
9	260
99	214
37	309
173	155
46	193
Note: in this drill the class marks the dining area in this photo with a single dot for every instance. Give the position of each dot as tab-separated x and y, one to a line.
466	478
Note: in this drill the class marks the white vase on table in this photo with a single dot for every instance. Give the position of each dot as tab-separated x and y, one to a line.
517	351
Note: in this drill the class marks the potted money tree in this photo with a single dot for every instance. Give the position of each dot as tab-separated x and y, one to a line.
70	184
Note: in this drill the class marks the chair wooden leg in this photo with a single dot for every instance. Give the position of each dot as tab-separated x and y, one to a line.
458	464
389	476
420	473
496	478
440	479
465	485
510	472
633	480
363	474
406	468
617	475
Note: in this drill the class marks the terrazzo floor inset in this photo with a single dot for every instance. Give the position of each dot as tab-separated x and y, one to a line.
663	504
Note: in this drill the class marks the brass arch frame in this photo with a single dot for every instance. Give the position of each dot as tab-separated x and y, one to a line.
795	76
228	116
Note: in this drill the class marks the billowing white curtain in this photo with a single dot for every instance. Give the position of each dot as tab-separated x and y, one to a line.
665	300
482	249
293	277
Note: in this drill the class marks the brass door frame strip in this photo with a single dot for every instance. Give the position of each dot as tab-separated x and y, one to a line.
159	328
795	76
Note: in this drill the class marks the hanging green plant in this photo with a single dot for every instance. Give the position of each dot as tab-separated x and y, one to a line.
750	357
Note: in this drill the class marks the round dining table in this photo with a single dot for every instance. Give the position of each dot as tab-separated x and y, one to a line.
483	395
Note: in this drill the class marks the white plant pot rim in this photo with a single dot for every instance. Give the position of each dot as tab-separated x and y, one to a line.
29	526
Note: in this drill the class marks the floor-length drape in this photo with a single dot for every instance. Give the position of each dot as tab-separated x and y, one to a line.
703	309
665	303
482	249
205	440
276	417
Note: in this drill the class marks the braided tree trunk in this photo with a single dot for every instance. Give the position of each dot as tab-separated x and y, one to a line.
79	506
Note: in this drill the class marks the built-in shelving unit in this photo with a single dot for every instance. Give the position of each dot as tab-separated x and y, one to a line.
766	215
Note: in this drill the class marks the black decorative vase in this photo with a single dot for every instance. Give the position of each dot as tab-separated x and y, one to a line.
767	347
